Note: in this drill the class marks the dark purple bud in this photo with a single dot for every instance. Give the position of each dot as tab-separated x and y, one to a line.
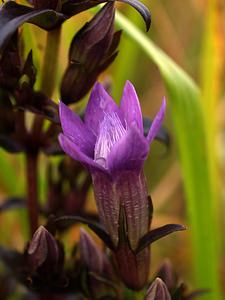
91	52
166	273
99	268
44	253
176	285
158	291
90	254
92	257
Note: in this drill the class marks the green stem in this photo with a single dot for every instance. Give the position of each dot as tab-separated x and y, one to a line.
50	64
135	295
49	70
48	80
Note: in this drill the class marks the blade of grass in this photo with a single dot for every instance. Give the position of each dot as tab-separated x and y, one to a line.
212	70
190	134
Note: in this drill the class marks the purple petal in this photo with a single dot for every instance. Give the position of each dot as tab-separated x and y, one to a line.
100	102
76	130
129	153
157	122
130	106
70	148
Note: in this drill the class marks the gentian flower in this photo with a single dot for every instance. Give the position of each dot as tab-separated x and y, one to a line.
110	142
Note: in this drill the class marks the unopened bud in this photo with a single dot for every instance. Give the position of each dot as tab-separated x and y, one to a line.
43	251
90	254
166	273
158	291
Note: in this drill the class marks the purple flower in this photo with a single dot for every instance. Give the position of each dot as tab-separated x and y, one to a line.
110	142
111	138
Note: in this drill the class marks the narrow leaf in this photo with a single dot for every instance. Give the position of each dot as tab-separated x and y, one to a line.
13	15
157	234
142	9
12	203
73	7
67	221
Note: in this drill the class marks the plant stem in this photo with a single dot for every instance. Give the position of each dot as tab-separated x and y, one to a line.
50	63
48	79
32	190
49	70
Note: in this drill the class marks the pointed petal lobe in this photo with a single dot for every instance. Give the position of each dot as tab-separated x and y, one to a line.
130	107
157	122
70	148
76	130
99	104
129	153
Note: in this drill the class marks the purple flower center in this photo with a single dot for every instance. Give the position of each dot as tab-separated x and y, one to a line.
111	130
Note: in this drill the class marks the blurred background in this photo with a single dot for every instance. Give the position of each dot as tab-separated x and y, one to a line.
192	34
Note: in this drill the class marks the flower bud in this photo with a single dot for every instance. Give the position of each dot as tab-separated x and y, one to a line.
158	291
90	254
100	272
92	50
166	273
44	252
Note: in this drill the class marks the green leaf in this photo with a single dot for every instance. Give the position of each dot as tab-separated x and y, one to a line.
191	138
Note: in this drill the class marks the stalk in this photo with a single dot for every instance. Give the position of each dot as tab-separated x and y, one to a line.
48	79
50	63
49	70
